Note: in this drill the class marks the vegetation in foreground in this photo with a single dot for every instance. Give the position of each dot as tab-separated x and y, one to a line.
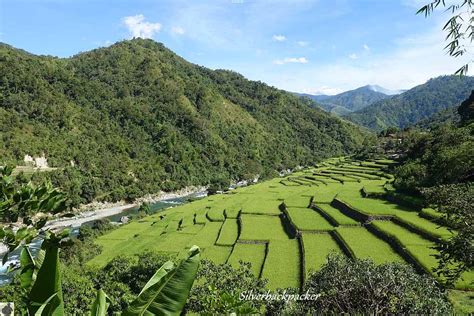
118	277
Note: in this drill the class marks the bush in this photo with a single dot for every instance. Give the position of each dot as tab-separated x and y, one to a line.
217	290
361	287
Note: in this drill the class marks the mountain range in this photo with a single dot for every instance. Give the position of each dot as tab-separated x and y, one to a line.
352	100
135	118
417	104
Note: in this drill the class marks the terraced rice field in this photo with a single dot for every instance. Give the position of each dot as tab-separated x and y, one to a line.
253	253
286	227
363	244
316	248
335	216
229	233
305	219
283	259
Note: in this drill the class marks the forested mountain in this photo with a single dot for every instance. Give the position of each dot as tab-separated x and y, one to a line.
135	118
415	104
449	115
349	101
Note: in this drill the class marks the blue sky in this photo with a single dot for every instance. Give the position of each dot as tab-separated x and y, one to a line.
312	46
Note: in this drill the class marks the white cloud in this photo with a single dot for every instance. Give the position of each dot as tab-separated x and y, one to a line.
412	61
302	43
138	27
279	38
323	90
353	56
296	60
177	30
366	47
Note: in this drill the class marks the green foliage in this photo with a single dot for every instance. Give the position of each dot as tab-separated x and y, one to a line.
20	200
447	116
456	201
145	208
81	249
416	104
218	287
79	288
168	289
134	118
361	287
466	110
440	165
459	27
100	306
165	293
444	156
46	292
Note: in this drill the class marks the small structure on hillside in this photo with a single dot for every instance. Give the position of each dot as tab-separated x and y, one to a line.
37	162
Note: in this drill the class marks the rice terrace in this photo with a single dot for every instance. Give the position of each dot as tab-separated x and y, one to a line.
286	227
237	157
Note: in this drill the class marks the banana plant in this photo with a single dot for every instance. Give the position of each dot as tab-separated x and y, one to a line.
100	305
46	297
167	291
164	294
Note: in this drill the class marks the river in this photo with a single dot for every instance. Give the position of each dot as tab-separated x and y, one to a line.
13	259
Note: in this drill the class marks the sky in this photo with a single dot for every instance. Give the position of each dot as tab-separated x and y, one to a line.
308	46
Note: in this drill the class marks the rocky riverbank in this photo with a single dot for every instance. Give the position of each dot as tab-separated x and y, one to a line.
98	210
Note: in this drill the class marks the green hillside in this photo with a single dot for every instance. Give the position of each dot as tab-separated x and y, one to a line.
135	118
415	104
349	101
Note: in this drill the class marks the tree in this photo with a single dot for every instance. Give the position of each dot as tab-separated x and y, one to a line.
459	27
456	201
362	287
164	294
40	277
218	288
466	110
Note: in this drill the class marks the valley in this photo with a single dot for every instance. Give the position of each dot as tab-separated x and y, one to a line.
236	158
285	227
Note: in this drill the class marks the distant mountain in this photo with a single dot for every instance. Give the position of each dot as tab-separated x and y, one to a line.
135	118
416	104
380	89
350	101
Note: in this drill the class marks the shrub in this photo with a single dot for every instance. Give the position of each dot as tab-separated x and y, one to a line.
361	287
217	289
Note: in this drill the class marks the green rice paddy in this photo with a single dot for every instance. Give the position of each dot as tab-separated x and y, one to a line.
286	227
316	248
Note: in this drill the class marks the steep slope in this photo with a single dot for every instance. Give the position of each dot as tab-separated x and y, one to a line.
415	104
135	118
446	116
349	101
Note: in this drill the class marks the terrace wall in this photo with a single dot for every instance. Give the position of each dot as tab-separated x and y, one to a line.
399	248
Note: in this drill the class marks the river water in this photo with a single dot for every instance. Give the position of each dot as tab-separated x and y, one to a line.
35	246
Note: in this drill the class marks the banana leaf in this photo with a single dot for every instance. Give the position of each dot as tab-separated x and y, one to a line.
167	291
47	283
100	305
